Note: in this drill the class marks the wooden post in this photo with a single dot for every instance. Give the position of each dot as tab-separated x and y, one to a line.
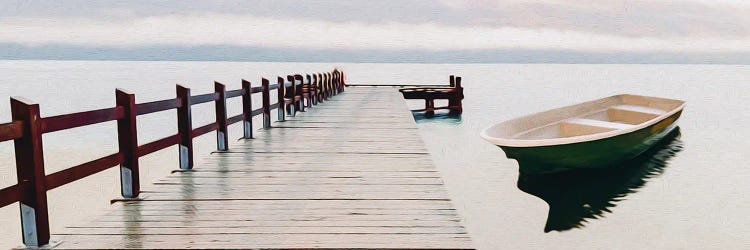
266	104
312	90
337	82
452	101
184	128
247	110
325	86
307	84
222	137
318	87
300	92
331	89
30	172
333	84
282	106
334	91
292	94
456	102
343	81
429	107
127	134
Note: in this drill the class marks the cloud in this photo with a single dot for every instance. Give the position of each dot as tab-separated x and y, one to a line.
655	18
201	29
632	18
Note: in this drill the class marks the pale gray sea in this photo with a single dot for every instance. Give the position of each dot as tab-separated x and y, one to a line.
692	193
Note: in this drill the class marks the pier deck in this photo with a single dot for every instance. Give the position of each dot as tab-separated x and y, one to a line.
351	173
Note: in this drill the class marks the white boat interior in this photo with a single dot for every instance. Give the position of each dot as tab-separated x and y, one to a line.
603	116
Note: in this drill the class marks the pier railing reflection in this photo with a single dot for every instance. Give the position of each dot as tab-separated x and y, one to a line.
575	197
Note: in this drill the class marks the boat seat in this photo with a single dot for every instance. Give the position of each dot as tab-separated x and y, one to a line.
598	123
582	126
632	114
639	109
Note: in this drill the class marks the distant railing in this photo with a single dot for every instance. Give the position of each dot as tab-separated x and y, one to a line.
28	126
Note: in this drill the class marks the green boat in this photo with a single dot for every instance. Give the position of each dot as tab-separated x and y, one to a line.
592	134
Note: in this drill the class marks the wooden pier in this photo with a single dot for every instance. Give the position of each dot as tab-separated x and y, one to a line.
349	173
453	92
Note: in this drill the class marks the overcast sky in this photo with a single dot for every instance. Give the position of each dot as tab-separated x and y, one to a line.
695	26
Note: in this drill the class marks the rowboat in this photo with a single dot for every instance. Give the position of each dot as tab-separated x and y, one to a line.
592	134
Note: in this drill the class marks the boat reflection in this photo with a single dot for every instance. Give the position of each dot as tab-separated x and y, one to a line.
577	196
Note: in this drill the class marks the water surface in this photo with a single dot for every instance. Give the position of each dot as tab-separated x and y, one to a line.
689	193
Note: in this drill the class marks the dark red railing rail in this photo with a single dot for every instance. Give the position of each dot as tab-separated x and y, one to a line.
28	126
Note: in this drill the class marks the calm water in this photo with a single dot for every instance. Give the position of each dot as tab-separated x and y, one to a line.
691	192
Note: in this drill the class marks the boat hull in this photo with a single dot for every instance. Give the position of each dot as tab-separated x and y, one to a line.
590	154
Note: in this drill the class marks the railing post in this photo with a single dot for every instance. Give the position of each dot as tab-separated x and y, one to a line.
452	80
311	91
331	92
343	82
222	136
127	134
318	87
293	94
338	82
266	92
325	86
429	107
335	82
330	84
247	109
184	128
300	92
282	106
30	171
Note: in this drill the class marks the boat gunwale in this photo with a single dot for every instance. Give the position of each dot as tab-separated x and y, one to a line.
526	143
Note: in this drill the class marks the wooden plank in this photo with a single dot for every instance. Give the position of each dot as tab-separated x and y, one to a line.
157	145
11	194
11	131
204	98
235	93
204	129
72	174
277	241
282	212
297	174
250	224
235	119
261	230
317	181
262	217
293	204
68	121
157	106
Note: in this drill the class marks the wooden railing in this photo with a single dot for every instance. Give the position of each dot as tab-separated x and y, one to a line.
28	126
